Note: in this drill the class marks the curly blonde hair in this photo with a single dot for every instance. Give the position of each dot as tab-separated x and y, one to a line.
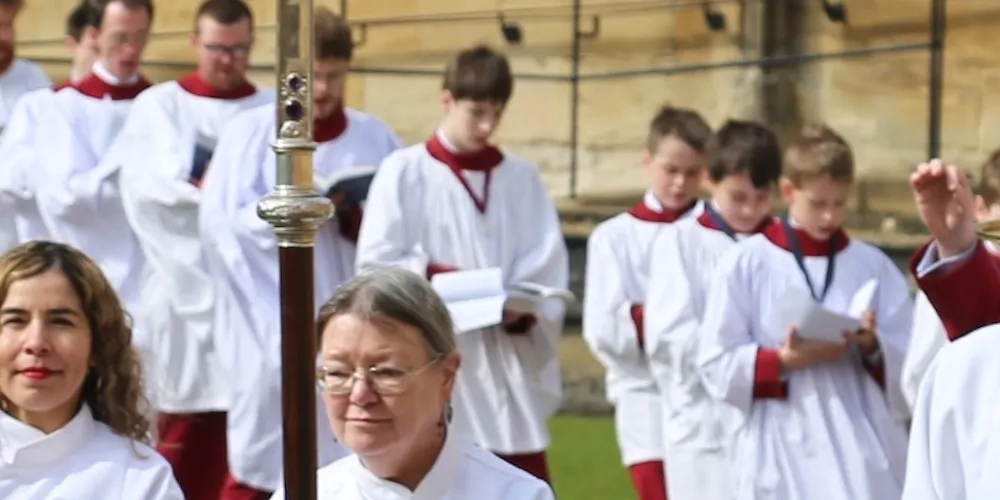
113	390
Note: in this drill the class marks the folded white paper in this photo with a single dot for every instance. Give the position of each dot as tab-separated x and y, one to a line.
524	297
815	322
475	298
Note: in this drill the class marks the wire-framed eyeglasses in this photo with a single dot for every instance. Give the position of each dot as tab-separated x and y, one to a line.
384	381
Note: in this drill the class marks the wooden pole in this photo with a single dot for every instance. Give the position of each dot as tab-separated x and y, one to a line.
296	212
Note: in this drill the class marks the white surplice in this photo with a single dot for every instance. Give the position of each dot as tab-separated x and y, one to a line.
837	435
954	449
23	145
420	214
694	424
75	182
462	471
162	205
242	256
20	78
928	338
84	460
618	260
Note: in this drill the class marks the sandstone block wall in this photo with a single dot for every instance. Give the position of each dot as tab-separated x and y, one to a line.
878	102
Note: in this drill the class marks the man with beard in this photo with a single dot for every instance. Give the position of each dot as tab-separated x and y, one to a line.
169	139
242	256
17	76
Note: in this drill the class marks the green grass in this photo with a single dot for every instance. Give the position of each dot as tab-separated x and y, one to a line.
584	460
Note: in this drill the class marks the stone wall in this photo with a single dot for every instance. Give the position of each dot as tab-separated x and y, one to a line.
878	102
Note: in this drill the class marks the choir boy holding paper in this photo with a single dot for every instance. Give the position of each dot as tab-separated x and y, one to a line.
168	140
929	334
618	260
744	164
241	254
455	203
815	419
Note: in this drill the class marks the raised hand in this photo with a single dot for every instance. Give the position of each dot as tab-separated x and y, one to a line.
946	206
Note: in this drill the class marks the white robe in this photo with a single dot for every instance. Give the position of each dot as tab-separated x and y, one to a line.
242	254
418	213
695	425
837	435
20	78
84	460
618	265
23	145
955	437
161	204
462	471
928	337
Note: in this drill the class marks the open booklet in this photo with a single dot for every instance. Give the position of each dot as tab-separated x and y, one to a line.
477	298
352	183
204	148
815	322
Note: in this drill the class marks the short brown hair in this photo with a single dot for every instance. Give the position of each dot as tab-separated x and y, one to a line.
14	5
99	7
819	152
79	20
225	12
745	147
332	35
479	74
682	123
989	179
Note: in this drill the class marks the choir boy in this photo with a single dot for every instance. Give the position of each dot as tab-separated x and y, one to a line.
170	135
929	334
816	419
618	256
17	76
744	164
456	202
954	444
242	257
25	137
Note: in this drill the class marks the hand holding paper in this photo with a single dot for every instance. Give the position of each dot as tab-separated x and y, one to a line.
475	298
814	322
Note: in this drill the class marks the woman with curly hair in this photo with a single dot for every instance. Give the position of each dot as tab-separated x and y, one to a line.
72	424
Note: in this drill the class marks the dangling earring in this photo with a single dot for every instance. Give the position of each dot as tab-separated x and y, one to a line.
448	413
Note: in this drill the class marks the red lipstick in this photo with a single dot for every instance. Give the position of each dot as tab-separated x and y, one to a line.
37	373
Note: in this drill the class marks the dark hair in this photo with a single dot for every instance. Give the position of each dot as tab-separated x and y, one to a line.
99	7
744	147
479	74
989	179
819	152
332	36
80	19
682	123
225	12
15	5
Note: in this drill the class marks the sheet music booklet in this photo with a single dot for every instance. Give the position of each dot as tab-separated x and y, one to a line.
204	148
815	322
351	182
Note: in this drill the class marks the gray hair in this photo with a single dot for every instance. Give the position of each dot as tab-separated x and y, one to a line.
394	294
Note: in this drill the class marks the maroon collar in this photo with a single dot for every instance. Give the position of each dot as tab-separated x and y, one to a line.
59	86
811	247
331	127
93	86
482	161
194	84
707	221
642	212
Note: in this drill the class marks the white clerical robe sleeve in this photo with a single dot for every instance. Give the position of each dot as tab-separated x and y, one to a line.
387	236
894	324
608	327
18	155
927	338
163	208
933	458
674	297
727	351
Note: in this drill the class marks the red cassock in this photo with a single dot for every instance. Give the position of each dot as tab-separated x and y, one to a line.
965	294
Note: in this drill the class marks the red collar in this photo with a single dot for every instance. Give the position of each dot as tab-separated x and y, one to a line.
331	127
59	86
707	222
483	160
811	247
194	84
93	86
642	212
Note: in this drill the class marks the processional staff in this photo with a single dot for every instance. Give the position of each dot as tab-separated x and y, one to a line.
296	211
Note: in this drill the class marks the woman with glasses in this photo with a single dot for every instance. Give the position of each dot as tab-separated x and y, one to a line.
388	363
71	424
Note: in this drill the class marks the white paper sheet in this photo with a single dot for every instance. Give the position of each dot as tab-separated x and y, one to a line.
524	297
475	298
815	322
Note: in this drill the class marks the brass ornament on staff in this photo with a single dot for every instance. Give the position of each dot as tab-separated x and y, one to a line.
296	212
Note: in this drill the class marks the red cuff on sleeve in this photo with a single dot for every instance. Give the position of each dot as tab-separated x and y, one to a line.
638	313
876	371
349	222
522	325
433	269
962	313
767	383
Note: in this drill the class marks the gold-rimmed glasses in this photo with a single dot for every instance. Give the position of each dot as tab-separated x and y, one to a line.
384	381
